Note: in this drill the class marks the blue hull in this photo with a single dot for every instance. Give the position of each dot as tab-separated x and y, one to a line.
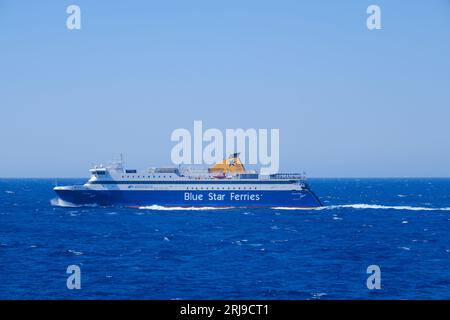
299	198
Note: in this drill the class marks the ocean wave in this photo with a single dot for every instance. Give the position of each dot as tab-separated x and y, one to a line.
75	253
162	208
318	295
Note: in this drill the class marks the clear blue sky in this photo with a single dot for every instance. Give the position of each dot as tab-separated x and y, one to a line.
348	102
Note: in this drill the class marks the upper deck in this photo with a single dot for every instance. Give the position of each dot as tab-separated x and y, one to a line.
217	174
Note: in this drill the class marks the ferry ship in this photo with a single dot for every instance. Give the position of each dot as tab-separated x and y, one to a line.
225	184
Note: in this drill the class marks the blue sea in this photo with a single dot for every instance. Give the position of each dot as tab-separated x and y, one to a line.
400	225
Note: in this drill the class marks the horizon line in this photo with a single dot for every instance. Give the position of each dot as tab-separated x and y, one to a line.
316	177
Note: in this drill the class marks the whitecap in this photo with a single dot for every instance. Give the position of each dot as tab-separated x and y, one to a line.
405	248
76	253
10	192
255	244
74	213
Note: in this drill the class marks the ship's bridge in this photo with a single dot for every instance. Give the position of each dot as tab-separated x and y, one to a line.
103	173
98	171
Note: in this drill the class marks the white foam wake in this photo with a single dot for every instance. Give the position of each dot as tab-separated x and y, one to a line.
57	202
162	208
382	207
295	208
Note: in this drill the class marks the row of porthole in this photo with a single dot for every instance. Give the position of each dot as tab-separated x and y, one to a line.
138	177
